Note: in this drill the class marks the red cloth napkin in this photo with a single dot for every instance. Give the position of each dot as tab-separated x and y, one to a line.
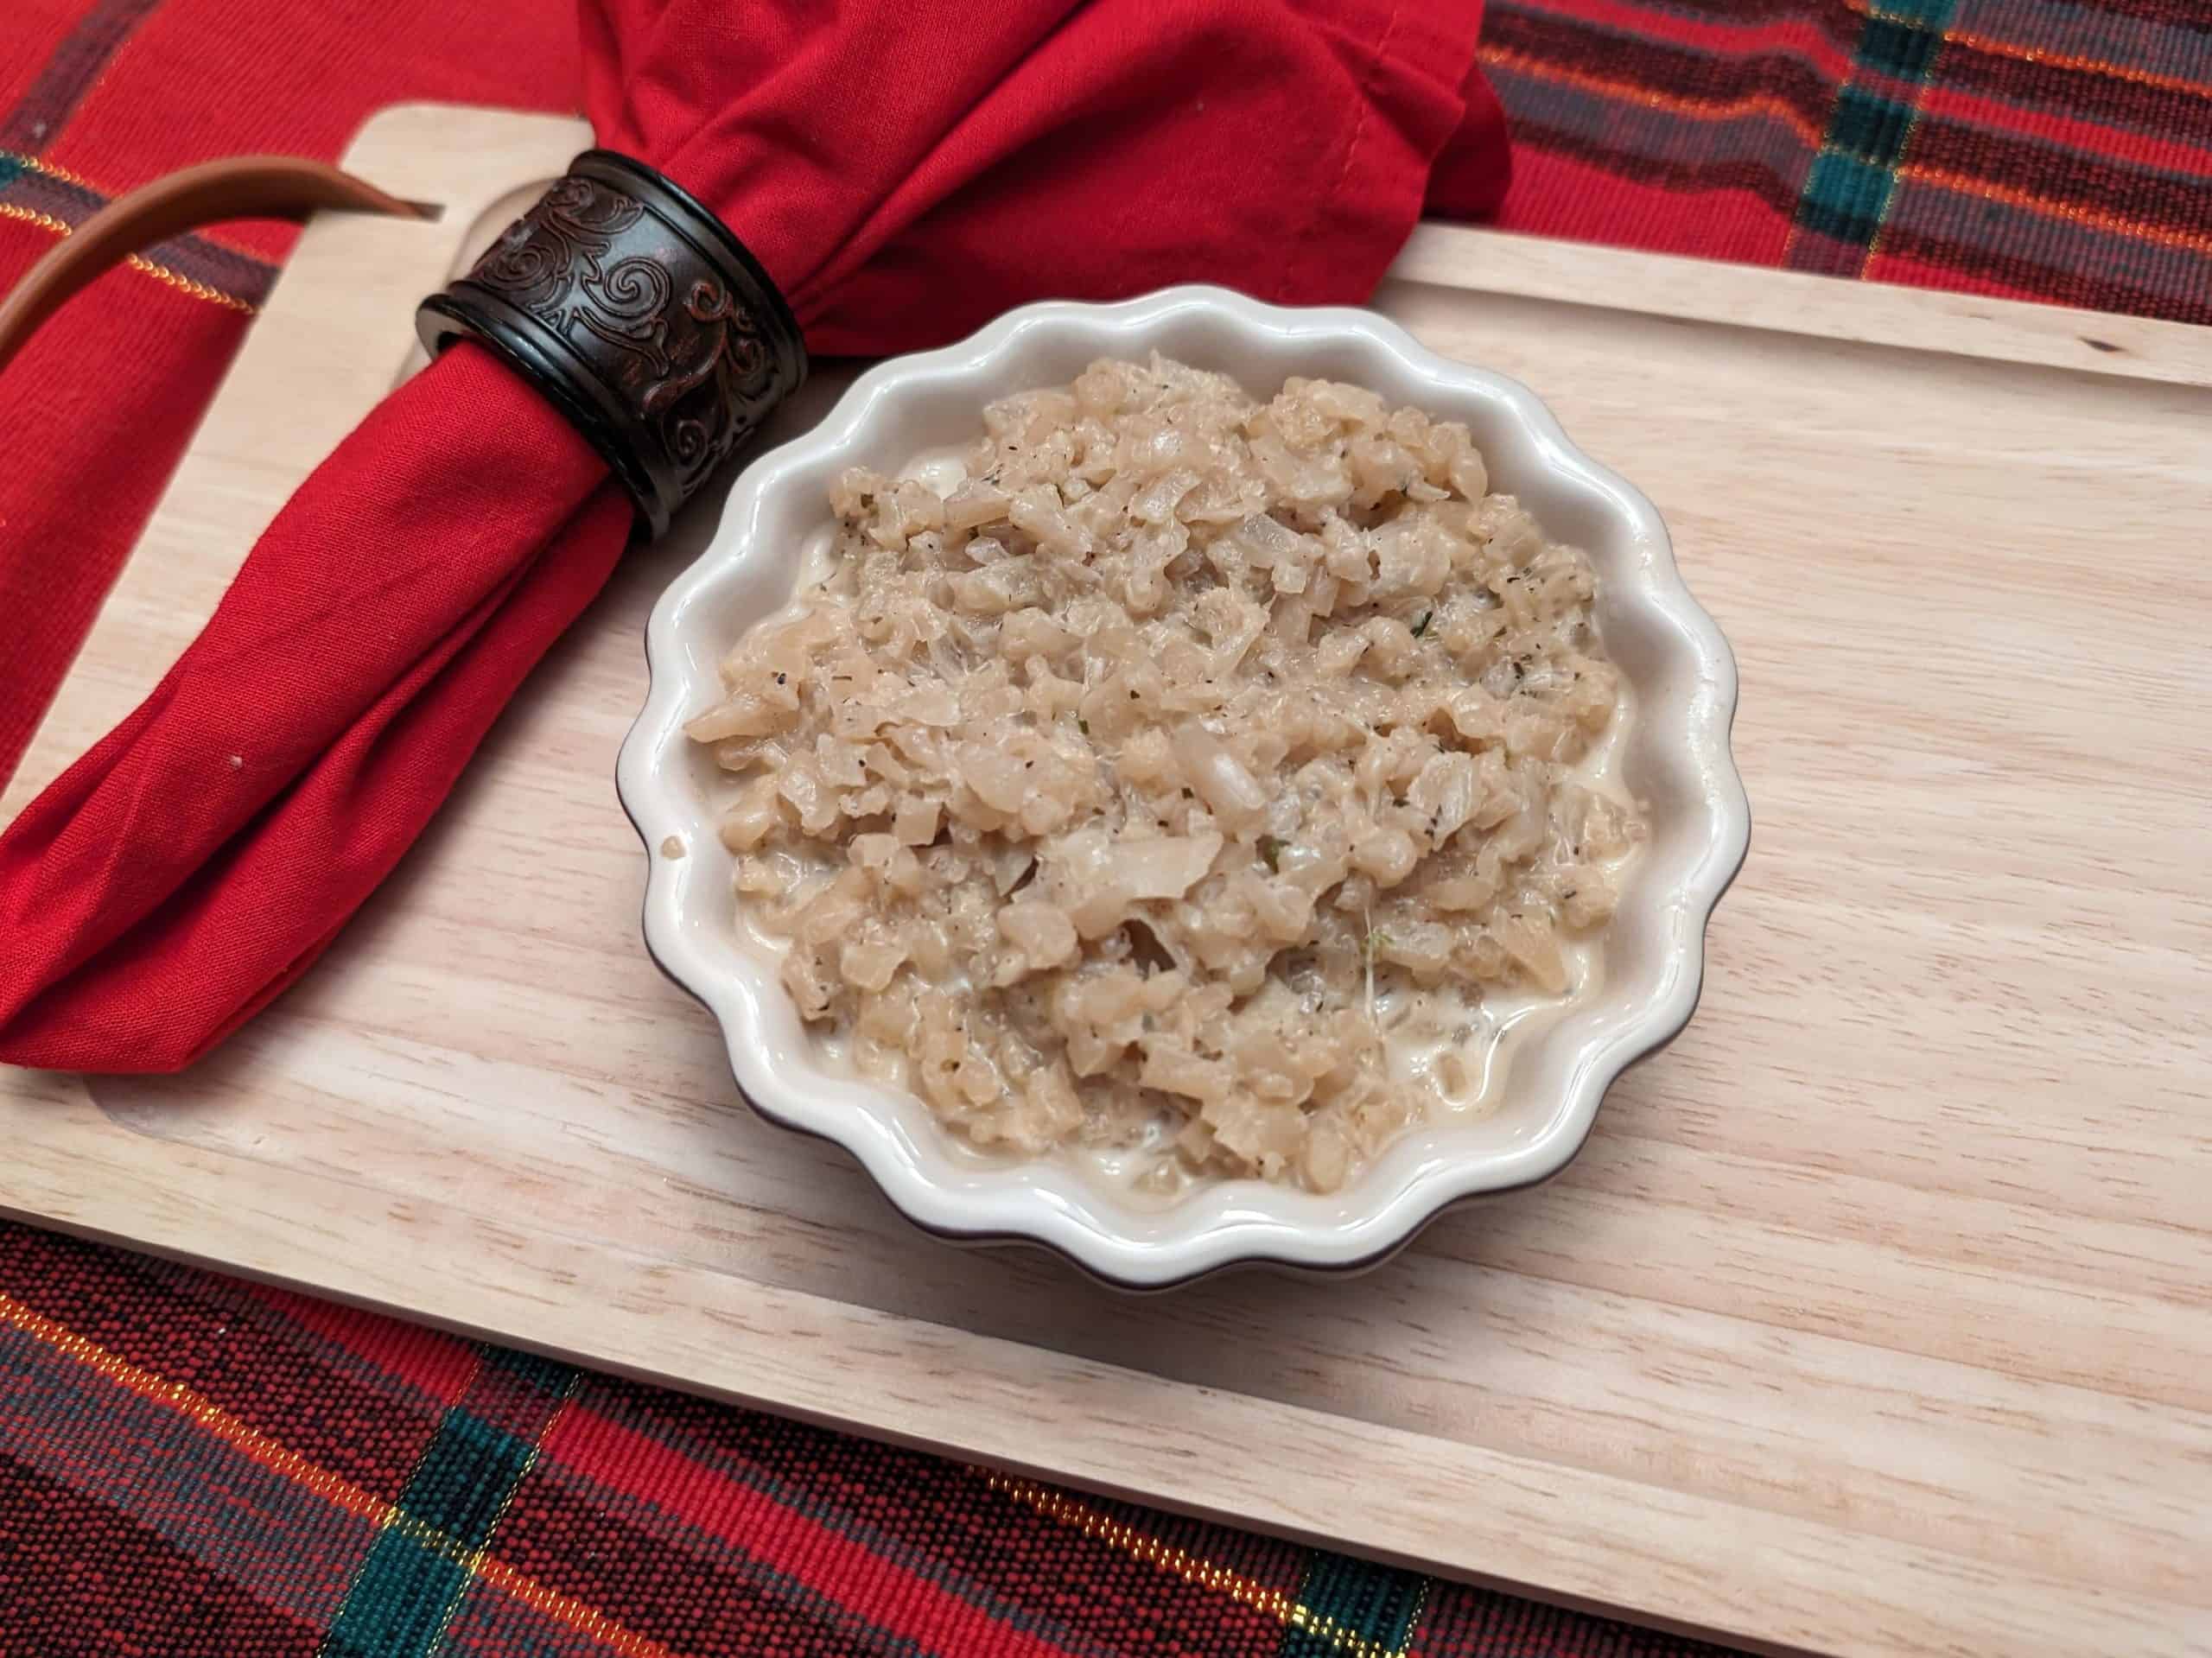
904	171
97	97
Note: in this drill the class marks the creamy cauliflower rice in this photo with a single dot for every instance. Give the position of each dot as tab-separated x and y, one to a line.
1199	776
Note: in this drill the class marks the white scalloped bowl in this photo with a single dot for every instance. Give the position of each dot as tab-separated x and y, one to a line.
1677	760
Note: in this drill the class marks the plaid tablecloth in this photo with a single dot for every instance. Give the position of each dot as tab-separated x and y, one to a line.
2053	150
197	1467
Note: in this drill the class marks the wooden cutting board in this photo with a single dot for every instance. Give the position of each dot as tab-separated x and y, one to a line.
1878	1315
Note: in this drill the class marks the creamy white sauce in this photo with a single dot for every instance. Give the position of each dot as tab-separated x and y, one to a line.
1424	1031
1479	1029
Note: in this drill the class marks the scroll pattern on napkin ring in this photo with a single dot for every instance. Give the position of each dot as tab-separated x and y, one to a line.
641	318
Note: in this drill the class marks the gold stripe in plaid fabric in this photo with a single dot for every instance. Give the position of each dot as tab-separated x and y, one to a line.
45	221
1195	1569
335	1489
161	273
2096	218
1989	46
52	171
481	1559
1695	107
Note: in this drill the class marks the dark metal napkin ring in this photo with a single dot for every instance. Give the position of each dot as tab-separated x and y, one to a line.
640	316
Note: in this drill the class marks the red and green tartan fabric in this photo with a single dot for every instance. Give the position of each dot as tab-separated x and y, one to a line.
192	1467
2050	150
198	1468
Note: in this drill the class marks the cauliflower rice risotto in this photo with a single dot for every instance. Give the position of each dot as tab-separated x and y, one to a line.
1207	778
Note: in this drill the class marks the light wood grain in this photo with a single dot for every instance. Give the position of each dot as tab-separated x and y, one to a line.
1876	1318
1798	302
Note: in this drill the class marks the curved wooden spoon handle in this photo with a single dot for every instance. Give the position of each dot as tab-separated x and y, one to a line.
243	186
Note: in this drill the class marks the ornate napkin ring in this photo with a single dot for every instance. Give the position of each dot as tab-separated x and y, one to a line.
640	316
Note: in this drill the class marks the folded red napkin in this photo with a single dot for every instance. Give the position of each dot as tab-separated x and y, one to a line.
97	97
904	172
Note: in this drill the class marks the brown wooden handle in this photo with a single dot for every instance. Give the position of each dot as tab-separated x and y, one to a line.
243	186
